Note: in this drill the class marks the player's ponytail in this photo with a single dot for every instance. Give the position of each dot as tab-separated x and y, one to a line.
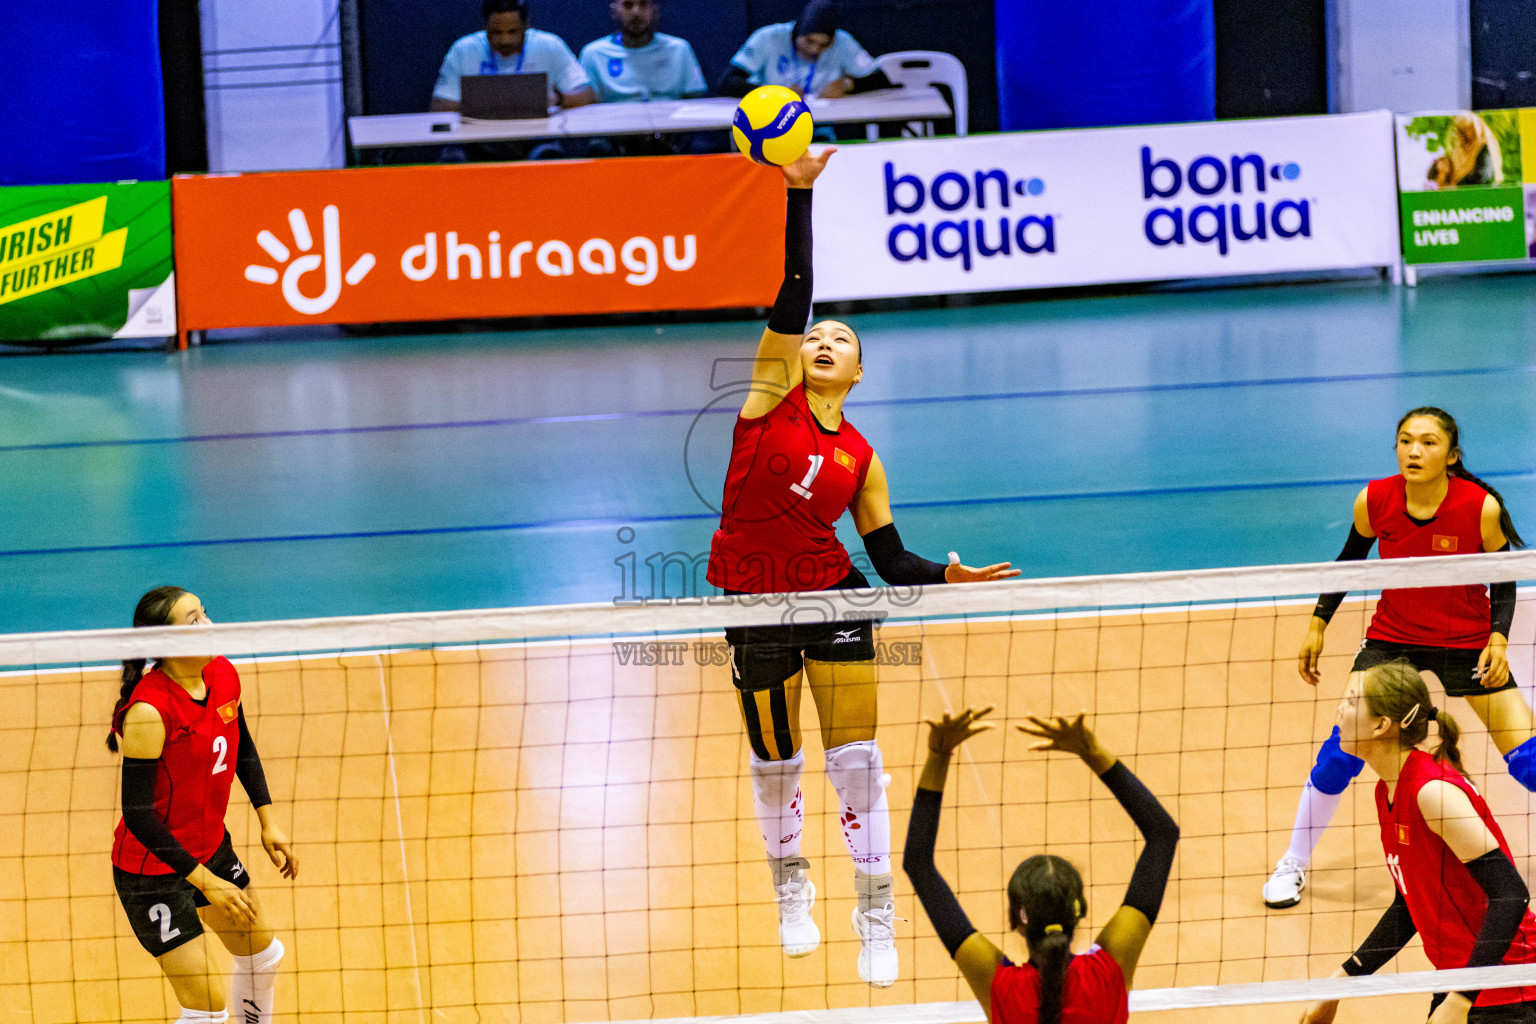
1045	898
154	609
1395	691
1459	467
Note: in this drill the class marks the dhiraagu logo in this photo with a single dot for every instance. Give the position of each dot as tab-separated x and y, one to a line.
54	249
327	260
1221	201
935	223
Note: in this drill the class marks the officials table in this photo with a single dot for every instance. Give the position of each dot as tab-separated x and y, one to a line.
664	117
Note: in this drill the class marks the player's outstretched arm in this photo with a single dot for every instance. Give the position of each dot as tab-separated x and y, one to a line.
777	370
1356	547
974	954
896	565
1125	935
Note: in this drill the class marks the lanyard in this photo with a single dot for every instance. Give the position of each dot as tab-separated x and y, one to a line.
806	88
488	64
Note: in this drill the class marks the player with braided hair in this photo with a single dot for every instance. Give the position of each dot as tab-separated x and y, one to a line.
1434	506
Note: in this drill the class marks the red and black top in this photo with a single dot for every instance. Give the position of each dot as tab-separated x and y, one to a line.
1429	616
1094	992
197	764
1446	903
788	482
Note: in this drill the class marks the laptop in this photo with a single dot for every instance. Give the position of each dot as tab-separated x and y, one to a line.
504	97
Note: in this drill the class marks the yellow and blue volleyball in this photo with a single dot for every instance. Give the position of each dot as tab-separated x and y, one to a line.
772	125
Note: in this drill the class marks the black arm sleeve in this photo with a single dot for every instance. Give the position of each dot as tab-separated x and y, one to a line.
949	921
876	79
1355	548
793	306
248	768
1161	833
140	817
1507	900
896	564
733	83
1501	601
1389	936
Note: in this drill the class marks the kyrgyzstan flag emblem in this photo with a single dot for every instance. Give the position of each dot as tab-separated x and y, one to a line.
229	711
1442	543
1402	835
845	460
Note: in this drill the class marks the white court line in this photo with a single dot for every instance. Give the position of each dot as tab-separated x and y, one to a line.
405	870
1146	1000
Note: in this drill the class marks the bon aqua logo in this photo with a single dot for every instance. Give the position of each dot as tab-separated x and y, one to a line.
992	193
1249	216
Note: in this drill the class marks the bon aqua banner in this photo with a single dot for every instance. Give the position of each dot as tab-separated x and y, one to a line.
84	262
1467	191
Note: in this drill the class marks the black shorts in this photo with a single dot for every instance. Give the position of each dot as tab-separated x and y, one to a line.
764	656
1452	665
163	908
1502	1013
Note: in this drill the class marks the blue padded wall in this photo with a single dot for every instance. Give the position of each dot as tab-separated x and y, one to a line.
83	94
1078	65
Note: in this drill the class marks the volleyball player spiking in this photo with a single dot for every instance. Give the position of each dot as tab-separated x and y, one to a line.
184	739
1045	894
795	465
1454	882
1432	507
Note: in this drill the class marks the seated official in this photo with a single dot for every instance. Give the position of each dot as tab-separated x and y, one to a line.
507	46
810	55
639	63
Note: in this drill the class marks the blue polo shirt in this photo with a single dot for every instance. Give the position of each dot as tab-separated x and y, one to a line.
542	51
770	58
663	69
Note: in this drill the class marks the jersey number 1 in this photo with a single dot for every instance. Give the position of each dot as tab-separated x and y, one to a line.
803	488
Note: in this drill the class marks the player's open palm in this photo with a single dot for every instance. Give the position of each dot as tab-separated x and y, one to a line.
804	171
230	901
954	572
1070	735
950	731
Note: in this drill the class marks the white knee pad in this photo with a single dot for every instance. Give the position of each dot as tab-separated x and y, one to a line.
857	772
774	782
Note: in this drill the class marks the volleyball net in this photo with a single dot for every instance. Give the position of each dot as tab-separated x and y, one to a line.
543	814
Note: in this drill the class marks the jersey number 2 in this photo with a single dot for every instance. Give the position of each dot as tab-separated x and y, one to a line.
221	748
803	488
161	915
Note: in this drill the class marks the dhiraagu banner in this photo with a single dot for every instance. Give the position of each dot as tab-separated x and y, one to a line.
84	262
1467	192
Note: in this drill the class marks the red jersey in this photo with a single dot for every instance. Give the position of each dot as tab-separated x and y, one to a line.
1094	992
1429	616
197	764
1446	904
787	485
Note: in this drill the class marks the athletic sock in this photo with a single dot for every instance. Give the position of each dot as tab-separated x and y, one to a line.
250	990
203	1017
779	805
1313	814
857	772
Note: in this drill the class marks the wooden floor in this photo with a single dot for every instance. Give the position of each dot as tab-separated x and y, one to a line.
541	833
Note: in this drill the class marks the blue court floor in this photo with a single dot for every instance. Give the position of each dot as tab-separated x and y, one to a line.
1070	435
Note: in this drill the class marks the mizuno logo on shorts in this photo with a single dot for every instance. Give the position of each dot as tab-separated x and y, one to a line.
847	636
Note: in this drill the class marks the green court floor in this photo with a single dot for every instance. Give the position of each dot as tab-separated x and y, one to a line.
1071	435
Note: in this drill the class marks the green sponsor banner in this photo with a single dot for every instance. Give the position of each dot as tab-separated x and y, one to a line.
82	262
1464	183
1463	226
